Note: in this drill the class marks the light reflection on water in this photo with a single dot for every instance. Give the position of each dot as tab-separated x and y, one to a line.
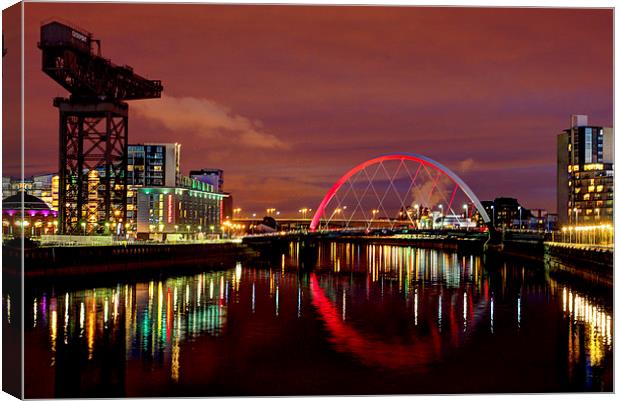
377	307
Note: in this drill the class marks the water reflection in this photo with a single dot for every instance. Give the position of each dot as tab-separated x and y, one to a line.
154	317
371	307
593	321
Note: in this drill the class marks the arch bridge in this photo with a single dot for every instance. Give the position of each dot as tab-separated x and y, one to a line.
400	191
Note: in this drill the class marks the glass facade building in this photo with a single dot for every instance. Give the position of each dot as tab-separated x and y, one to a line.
150	165
585	174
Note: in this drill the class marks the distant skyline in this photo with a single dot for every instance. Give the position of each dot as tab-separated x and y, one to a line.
285	99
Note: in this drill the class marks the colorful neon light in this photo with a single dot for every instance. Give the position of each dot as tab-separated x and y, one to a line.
170	211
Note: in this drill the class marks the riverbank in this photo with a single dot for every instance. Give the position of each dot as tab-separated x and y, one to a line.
591	263
53	262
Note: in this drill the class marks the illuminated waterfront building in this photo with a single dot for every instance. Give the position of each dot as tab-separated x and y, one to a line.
585	160
192	210
215	177
41	186
150	165
38	217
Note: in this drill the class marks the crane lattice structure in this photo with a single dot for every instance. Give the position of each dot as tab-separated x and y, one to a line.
92	190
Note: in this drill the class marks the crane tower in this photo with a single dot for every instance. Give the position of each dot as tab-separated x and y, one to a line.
92	191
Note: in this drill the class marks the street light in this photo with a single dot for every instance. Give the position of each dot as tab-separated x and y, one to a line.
519	217
336	211
576	215
374	213
493	214
564	234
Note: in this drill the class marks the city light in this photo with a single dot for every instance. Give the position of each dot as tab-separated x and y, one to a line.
157	300
602	234
304	212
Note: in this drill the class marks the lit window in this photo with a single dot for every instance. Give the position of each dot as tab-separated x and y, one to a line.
594	166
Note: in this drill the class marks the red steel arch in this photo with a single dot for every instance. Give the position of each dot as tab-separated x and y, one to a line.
398	156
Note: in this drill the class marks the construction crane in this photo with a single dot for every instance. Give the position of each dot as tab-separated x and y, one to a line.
92	190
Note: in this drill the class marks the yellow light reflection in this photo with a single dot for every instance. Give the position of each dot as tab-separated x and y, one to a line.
598	335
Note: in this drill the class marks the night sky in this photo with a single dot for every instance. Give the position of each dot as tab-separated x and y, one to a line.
285	99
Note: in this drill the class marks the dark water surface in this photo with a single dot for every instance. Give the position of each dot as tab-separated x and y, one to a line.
369	319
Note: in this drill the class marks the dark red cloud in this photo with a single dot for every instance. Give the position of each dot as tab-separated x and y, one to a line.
486	89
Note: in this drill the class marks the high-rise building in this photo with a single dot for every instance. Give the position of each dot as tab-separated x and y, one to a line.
585	164
154	164
150	165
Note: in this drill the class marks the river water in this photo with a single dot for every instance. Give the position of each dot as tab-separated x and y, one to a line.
368	319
